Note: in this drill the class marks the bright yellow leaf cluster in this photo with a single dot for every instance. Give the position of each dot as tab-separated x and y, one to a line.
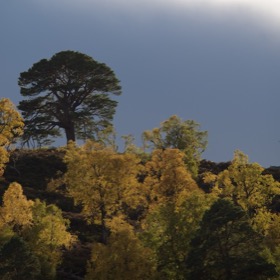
11	126
167	179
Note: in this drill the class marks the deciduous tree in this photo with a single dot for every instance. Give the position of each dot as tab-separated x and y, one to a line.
11	127
167	178
226	247
123	258
16	211
47	236
42	228
179	134
245	184
168	232
102	181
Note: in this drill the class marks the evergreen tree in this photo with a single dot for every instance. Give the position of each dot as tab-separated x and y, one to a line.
70	91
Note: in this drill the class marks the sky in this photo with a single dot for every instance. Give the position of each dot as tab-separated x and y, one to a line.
213	61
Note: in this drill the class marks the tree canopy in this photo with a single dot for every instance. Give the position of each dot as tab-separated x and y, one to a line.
226	247
70	91
179	134
102	181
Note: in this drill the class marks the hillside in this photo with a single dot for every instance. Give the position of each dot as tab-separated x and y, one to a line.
34	169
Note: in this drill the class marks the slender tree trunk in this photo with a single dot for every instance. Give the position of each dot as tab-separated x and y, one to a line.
103	224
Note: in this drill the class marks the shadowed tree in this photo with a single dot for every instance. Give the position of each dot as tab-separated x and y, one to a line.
17	261
42	228
226	247
70	91
168	231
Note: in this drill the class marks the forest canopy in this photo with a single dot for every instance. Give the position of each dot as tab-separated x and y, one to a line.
157	211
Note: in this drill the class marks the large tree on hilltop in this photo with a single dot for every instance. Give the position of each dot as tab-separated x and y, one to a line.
70	91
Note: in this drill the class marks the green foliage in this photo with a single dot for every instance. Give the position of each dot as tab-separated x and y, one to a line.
182	135
17	261
226	247
168	231
245	185
47	236
130	147
42	228
70	91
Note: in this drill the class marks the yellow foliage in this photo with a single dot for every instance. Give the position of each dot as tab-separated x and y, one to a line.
123	258
16	210
209	177
48	235
41	226
167	179
102	180
54	232
245	184
11	126
268	224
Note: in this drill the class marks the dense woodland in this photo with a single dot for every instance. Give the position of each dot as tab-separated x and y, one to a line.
91	212
158	211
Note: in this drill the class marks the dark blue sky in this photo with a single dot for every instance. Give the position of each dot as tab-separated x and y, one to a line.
214	63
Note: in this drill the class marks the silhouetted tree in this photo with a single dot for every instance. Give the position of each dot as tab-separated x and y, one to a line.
70	91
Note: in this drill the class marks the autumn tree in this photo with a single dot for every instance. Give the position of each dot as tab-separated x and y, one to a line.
169	232
70	91
245	184
11	127
47	236
226	247
176	206
167	179
16	210
42	231
179	134
102	181
123	257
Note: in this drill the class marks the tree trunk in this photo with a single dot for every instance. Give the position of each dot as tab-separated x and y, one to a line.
70	132
104	235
